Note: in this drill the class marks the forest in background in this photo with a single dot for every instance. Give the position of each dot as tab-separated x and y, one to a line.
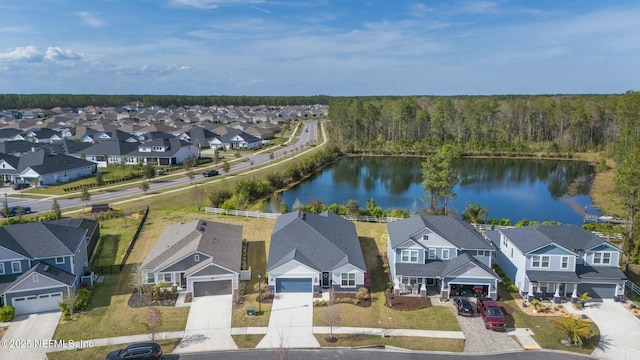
489	125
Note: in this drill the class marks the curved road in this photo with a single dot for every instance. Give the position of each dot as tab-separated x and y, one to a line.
308	135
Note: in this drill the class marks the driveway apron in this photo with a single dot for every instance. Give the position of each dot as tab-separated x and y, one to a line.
208	325
619	329
290	322
34	331
478	339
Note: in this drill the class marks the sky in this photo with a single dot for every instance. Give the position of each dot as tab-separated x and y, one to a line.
312	47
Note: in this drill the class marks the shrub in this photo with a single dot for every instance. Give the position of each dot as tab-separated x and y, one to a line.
362	294
7	313
83	297
512	288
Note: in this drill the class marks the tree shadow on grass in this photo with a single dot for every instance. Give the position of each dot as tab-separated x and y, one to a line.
373	260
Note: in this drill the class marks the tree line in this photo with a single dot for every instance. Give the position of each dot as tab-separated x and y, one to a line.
496	125
49	101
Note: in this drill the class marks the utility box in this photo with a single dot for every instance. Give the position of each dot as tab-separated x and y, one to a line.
251	311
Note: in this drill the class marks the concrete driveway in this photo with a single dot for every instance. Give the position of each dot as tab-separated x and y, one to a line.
290	322
478	339
208	325
36	328
619	329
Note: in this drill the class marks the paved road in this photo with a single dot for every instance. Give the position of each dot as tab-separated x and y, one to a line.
347	354
308	136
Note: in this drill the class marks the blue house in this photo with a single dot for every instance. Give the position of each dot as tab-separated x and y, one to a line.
442	255
39	264
558	261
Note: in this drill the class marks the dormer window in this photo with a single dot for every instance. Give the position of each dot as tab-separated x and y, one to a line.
602	258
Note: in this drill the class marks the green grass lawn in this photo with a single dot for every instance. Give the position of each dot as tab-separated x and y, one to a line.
249	341
100	352
115	235
257	259
110	315
405	342
547	333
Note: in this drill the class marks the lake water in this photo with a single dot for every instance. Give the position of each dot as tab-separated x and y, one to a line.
515	189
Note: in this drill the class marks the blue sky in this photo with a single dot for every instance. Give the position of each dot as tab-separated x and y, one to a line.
308	47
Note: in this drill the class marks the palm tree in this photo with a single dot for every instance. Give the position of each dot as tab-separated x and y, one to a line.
576	329
474	213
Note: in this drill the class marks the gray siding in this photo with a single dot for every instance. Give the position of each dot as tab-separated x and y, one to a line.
24	266
52	261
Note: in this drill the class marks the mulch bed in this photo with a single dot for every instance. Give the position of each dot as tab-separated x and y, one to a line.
135	301
408	303
361	303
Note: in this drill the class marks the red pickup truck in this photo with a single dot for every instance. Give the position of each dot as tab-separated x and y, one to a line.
491	314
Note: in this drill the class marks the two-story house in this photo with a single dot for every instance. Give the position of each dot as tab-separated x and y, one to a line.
440	254
39	264
558	261
163	152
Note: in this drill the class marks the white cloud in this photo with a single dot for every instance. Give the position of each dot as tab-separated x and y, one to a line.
27	53
58	54
212	4
90	19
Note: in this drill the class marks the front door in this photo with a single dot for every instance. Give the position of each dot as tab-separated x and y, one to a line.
326	280
183	281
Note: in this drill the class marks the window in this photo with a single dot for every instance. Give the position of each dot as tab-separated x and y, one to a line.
166	277
409	256
59	260
16	267
196	257
151	278
432	253
538	261
565	262
606	258
425	237
481	253
1	269
445	254
348	279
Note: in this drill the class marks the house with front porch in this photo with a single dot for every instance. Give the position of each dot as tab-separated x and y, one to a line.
40	264
201	257
440	255
314	253
558	262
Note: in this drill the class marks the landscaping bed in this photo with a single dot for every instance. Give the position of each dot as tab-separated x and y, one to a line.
137	301
409	303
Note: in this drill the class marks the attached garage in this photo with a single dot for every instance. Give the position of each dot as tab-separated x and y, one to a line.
598	291
213	287
37	303
294	285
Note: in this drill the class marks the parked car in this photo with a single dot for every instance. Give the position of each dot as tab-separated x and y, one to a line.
209	173
491	314
20	186
464	307
148	350
14	210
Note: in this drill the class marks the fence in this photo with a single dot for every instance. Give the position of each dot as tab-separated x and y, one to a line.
245	274
256	214
134	239
106	269
633	287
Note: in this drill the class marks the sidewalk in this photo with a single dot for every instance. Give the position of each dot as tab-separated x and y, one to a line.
122	340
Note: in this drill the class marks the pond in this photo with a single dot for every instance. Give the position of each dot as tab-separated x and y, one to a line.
515	189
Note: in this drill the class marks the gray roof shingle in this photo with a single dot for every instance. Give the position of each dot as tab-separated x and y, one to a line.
600	272
570	237
459	233
41	240
323	241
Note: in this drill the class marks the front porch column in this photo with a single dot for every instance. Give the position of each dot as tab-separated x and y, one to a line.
556	295
423	290
530	292
574	294
396	287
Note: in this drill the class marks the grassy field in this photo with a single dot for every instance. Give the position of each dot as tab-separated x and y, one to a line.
115	235
101	352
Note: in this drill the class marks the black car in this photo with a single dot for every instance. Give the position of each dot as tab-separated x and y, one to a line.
148	350
20	186
210	173
464	307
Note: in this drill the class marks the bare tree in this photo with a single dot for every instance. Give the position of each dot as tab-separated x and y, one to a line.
68	302
332	316
154	321
198	195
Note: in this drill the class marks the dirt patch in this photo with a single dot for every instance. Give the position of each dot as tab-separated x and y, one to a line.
408	303
135	301
266	299
2	331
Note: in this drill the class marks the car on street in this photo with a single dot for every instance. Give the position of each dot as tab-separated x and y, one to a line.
15	210
149	350
491	314
209	173
20	186
464	306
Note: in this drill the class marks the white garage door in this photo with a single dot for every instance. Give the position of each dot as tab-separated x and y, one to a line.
37	303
